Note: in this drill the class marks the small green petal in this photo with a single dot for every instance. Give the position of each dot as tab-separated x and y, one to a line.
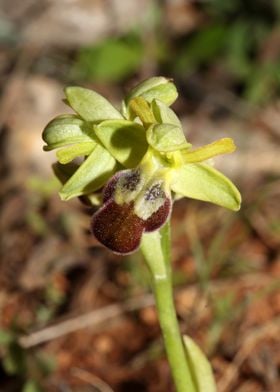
163	114
125	140
201	181
67	129
200	366
139	107
155	88
166	137
146	85
90	105
124	110
67	154
93	173
95	199
221	146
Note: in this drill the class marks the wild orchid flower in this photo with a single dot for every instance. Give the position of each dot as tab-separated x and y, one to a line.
133	164
146	147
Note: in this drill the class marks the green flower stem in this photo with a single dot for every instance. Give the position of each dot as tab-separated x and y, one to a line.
156	250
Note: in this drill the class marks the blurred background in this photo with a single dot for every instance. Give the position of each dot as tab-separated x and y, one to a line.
75	317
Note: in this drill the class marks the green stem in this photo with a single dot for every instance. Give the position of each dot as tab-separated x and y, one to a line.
156	250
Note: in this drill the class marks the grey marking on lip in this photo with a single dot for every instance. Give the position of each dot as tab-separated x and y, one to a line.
131	180
155	192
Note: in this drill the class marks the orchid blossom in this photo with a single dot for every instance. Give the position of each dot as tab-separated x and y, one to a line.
133	164
141	158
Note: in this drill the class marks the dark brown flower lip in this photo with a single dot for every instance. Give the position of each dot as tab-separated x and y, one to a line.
110	187
158	218
117	226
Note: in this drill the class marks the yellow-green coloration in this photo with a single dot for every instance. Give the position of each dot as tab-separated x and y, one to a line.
144	132
136	161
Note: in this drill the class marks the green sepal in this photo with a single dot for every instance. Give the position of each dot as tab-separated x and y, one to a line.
124	139
67	154
166	137
203	182
163	114
64	171
67	129
90	105
200	367
92	174
155	88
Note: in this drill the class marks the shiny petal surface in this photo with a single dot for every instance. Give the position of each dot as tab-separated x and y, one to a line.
117	227
158	218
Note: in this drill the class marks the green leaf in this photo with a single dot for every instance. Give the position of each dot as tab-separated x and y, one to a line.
90	105
125	140
163	114
155	88
240	44
6	337
69	153
202	48
46	363
201	181
32	386
200	367
67	129
110	60
166	137
91	175
14	361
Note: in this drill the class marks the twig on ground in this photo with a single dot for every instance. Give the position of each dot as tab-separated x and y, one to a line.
92	379
92	318
98	316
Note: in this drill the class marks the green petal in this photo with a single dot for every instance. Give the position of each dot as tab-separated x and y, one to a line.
125	140
163	114
155	88
93	173
201	181
166	137
200	366
90	105
67	154
67	129
221	146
